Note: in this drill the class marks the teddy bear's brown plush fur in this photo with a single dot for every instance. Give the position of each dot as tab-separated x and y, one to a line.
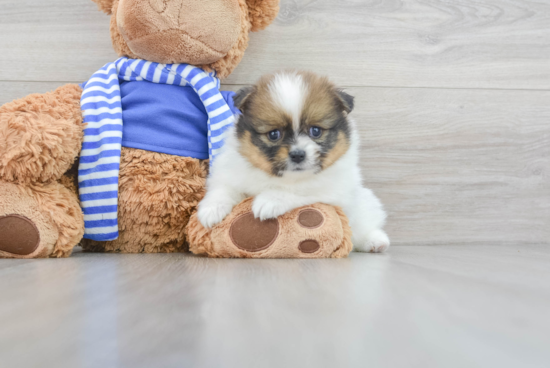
41	136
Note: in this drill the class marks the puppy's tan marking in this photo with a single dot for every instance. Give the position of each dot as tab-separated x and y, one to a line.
281	156
320	104
254	154
340	148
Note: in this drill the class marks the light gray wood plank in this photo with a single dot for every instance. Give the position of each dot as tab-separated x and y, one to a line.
448	306
10	91
458	166
54	40
451	166
417	43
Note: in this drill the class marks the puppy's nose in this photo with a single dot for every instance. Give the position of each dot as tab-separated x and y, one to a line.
297	156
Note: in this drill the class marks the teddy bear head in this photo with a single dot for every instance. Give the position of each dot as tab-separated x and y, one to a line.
212	34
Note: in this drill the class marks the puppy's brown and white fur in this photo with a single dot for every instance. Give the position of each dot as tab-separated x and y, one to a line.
294	145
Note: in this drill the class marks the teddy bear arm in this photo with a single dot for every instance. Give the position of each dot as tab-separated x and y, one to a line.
40	135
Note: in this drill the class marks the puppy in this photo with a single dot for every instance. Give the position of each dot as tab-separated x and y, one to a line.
294	145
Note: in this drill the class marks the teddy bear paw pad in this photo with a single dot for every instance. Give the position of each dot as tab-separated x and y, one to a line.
309	246
18	235
310	218
250	234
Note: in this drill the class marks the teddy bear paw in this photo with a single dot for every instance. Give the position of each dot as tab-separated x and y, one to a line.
19	235
25	230
316	231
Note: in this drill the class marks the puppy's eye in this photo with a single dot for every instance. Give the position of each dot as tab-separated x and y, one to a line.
315	132
274	135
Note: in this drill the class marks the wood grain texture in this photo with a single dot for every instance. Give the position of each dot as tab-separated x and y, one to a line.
449	306
55	40
416	43
10	91
458	166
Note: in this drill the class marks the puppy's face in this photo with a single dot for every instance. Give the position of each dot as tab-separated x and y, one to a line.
293	122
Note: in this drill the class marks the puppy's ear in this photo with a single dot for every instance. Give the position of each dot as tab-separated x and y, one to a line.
346	100
105	5
241	98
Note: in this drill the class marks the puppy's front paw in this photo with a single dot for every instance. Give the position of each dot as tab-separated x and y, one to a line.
211	215
267	207
376	242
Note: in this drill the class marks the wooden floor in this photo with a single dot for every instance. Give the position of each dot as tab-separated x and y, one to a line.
416	306
453	103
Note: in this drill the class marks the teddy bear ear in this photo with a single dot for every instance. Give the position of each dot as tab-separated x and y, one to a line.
262	13
105	5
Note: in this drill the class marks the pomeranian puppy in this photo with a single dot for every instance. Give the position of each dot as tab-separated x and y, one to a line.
294	145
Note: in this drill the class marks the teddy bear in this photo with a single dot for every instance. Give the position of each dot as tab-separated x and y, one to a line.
72	173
